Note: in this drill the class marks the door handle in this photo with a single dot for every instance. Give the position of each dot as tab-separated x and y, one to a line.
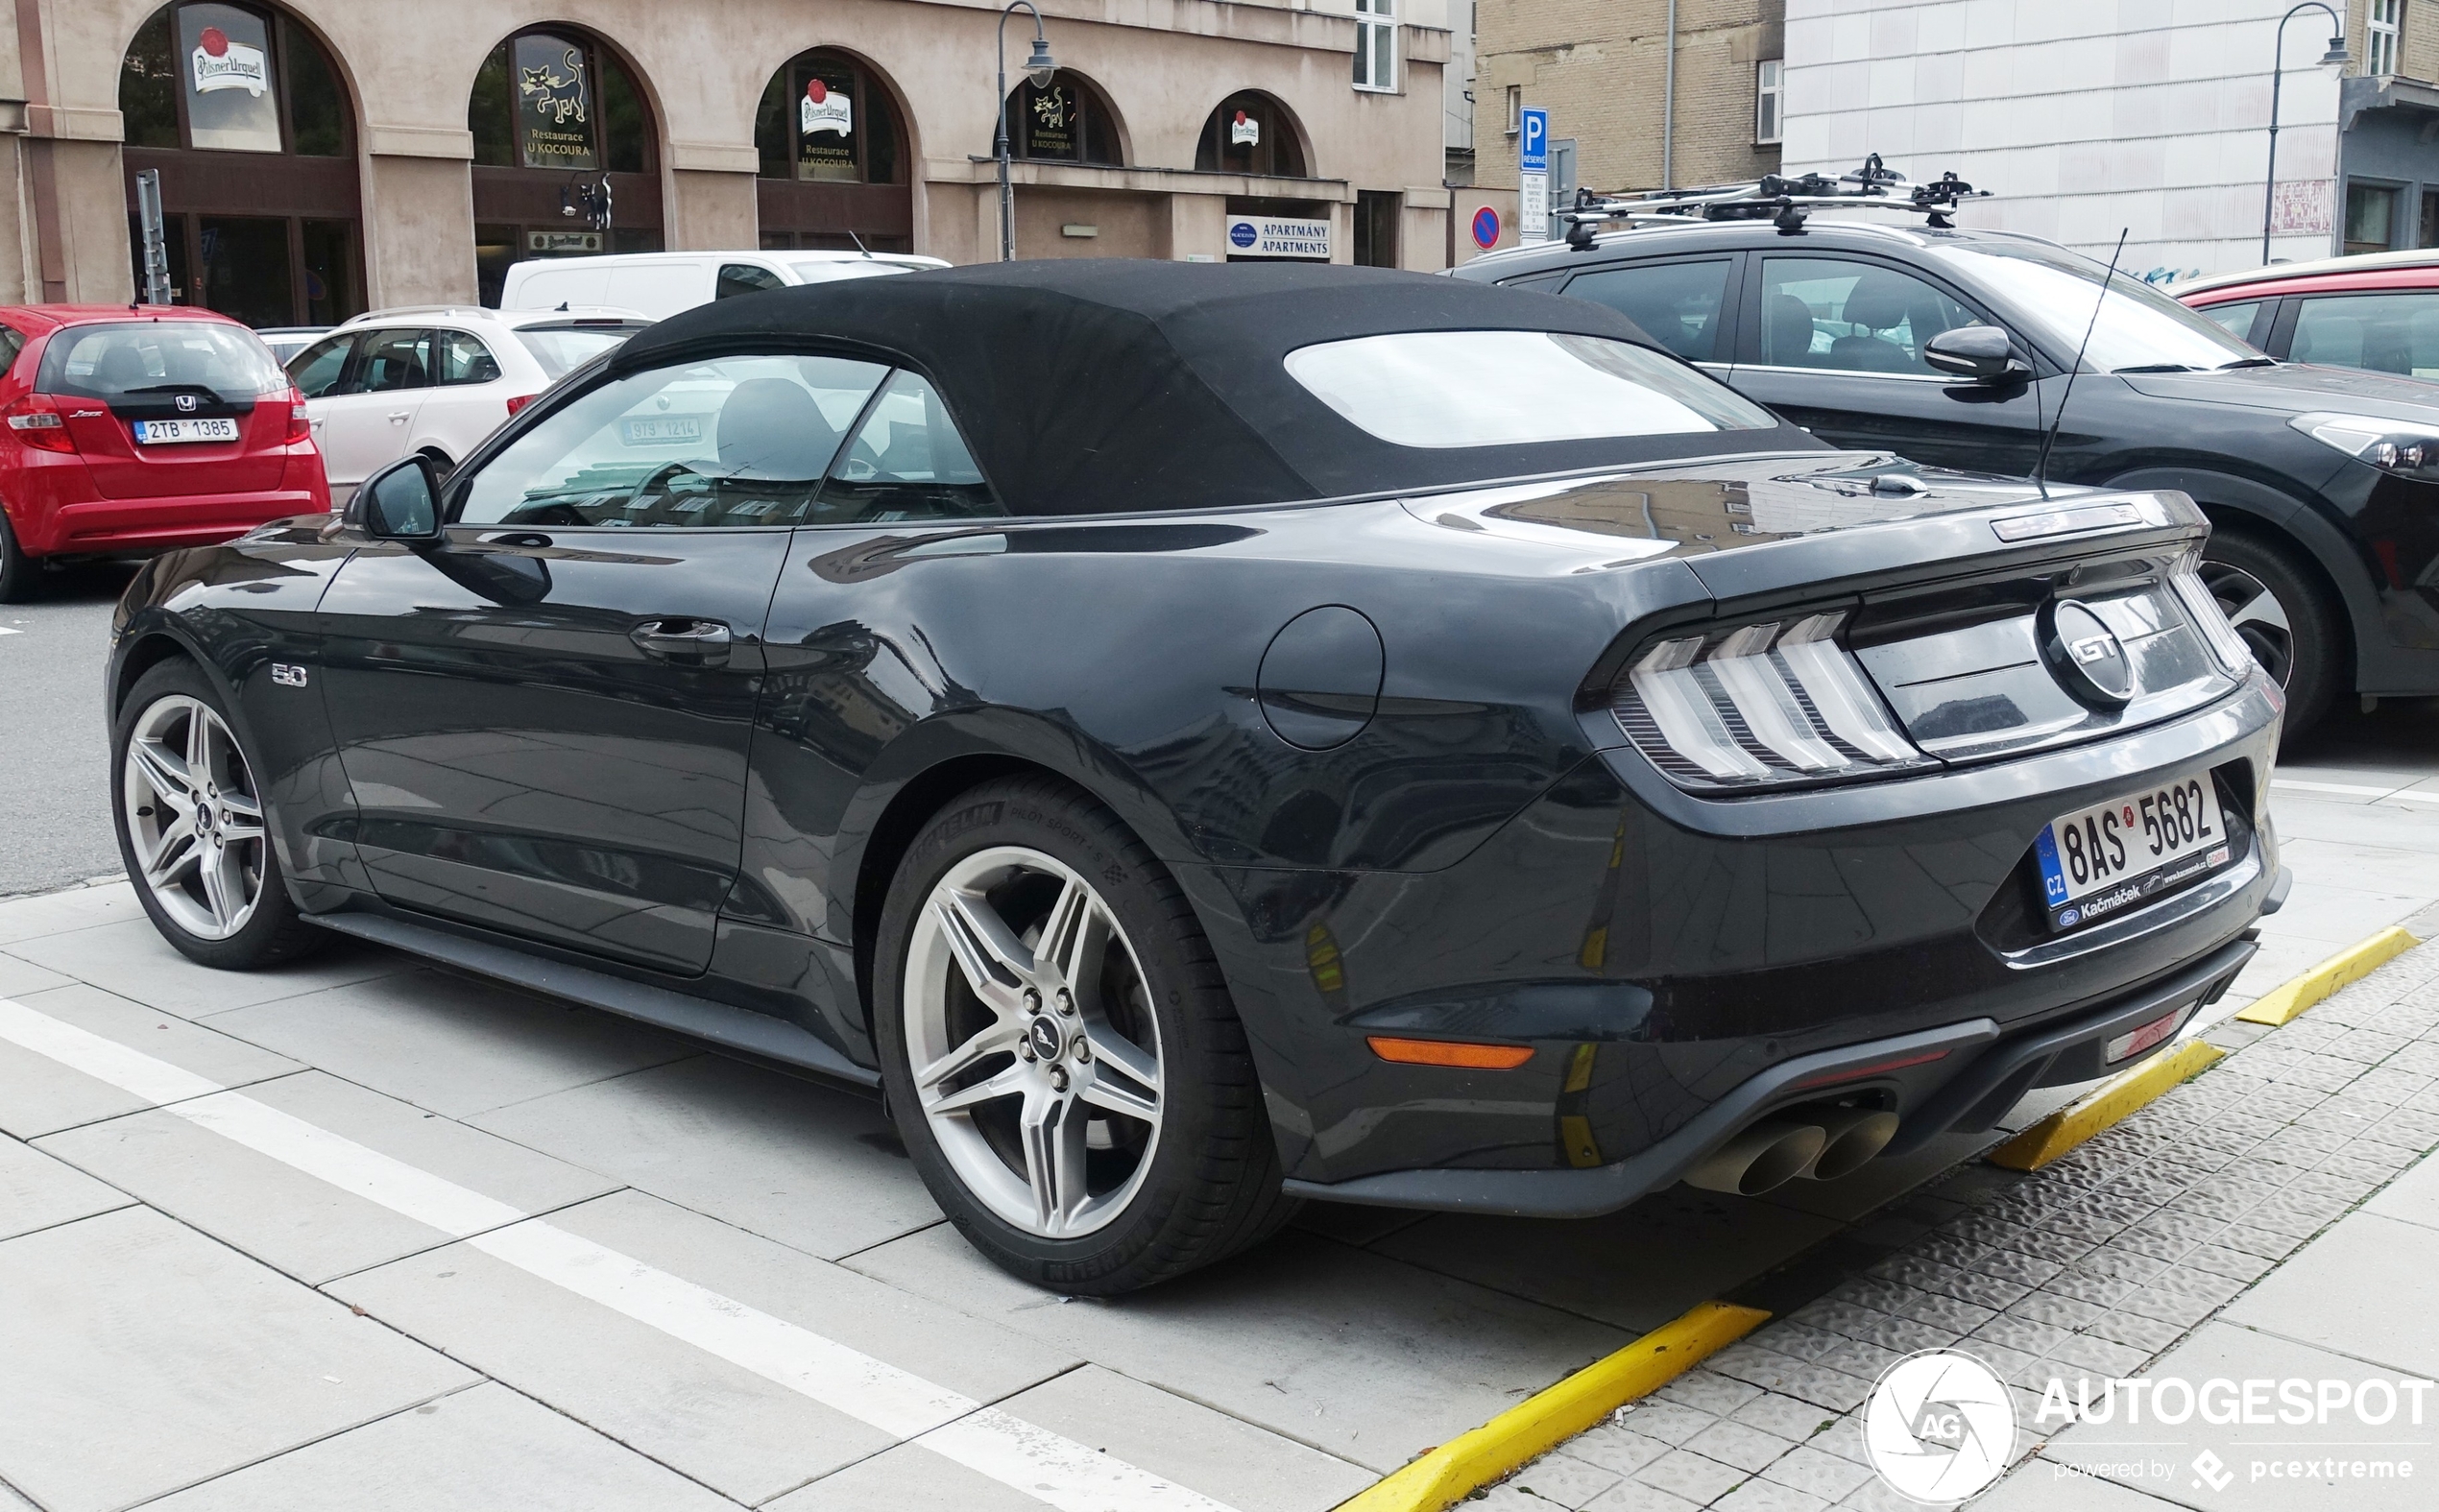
398	416
687	642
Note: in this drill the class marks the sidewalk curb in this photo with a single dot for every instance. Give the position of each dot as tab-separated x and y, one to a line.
2282	1002
2043	1143
1445	1476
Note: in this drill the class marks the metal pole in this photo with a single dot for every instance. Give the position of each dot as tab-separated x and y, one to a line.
1668	106
2278	79
1000	133
148	212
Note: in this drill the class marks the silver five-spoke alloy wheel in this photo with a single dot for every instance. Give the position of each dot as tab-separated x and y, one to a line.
2256	615
1030	1037
194	820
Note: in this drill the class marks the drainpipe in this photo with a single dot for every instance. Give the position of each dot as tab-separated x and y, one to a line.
1668	106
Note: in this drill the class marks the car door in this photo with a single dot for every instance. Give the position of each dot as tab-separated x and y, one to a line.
368	420
466	401
1834	342
545	715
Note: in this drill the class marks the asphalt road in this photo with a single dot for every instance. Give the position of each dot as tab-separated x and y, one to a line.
55	806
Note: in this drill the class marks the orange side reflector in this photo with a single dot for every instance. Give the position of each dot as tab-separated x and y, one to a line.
1449	1052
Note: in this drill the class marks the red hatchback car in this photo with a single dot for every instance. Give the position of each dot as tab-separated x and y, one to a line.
2378	311
136	428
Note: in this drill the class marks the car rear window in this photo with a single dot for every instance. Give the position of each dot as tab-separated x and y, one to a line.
562	349
1441	389
104	362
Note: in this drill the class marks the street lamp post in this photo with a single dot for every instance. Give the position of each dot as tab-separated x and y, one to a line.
1039	68
2333	59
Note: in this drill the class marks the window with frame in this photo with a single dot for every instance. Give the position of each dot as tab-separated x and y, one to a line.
2383	27
2391	331
1851	317
556	99
1769	90
318	371
1066	120
1376	44
1516	109
2237	317
1676	303
230	79
825	118
738	442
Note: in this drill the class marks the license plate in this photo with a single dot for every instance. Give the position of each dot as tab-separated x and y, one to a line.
659	430
156	433
2116	855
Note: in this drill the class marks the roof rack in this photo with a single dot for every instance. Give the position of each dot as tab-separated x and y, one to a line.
1782	201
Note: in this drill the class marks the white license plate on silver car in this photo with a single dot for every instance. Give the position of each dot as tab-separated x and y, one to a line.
156	433
2113	856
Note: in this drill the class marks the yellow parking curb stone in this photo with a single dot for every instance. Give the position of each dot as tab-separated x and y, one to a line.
2043	1143
2282	1002
1445	1476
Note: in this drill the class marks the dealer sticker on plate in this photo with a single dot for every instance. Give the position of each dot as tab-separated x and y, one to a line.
2116	855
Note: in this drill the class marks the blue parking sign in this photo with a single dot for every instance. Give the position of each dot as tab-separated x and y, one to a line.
1532	140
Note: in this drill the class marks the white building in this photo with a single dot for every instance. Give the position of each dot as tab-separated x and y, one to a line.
2084	117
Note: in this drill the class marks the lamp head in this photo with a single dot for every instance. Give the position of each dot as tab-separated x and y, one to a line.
1041	66
2333	61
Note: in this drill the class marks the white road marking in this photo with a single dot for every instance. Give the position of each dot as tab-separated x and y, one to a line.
5	630
2355	790
1021	1456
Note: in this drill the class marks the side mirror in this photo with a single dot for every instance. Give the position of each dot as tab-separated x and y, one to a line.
400	502
1983	354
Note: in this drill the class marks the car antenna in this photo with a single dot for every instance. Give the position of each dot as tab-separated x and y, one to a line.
2040	463
859	244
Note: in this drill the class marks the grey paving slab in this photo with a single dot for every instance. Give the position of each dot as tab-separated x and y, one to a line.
38	1096
1221	1456
298	1222
807	1164
2367	1288
907	1478
1635	1269
454	1045
19	976
2317	817
2223	1351
482	1449
74	908
144	1358
1343	1349
130	959
745	1437
2412	1197
2328	912
38	1191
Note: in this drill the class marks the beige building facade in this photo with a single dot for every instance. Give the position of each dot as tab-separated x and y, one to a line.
1600	68
321	157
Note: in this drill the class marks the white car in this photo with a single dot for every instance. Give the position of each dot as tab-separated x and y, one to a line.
437	379
660	285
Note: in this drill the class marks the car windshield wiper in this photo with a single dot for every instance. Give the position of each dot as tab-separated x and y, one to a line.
2154	366
210	393
2248	362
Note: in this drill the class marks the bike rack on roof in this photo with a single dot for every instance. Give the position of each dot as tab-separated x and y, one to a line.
1782	201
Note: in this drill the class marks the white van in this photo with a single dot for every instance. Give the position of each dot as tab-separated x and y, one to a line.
660	285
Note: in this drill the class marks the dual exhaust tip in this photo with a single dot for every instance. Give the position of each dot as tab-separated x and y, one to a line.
1819	1144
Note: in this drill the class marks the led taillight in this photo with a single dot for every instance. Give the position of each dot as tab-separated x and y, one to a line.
38	424
520	401
300	423
1762	704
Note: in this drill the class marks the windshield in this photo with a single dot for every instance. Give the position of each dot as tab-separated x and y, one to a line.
562	349
1510	388
2139	329
105	361
810	271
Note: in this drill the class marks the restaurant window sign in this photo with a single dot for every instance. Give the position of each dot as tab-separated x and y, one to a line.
554	104
1250	134
231	102
824	118
1064	121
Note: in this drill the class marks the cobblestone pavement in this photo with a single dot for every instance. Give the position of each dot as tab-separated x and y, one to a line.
2097	1266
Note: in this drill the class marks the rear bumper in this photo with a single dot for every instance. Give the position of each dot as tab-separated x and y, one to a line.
101	526
1960	1078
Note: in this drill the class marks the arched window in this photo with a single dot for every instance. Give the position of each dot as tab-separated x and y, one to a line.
565	155
1066	121
834	156
272	239
1250	132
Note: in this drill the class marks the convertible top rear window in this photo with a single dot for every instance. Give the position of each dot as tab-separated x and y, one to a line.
1502	388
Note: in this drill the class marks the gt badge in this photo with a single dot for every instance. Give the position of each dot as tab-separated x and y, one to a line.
287	676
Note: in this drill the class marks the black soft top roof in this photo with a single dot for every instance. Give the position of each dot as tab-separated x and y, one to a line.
1101	385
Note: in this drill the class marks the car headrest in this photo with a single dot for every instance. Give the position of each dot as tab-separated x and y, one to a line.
1790	334
772	429
1879	301
121	368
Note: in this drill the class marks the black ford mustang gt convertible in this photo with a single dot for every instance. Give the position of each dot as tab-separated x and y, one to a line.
1201	738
